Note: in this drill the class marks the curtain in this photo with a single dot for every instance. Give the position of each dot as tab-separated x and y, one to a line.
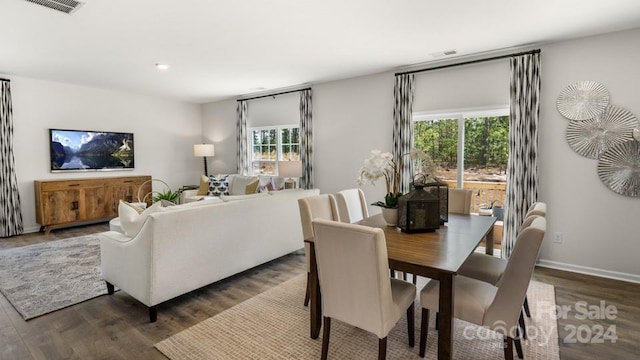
11	218
402	127
241	138
306	139
522	177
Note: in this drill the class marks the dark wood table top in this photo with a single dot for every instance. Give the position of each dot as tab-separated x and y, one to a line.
444	250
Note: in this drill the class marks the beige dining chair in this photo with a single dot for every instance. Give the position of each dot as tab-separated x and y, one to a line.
314	207
495	307
356	289
352	205
537	208
460	201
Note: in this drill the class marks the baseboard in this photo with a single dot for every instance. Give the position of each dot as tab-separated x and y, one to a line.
30	229
590	271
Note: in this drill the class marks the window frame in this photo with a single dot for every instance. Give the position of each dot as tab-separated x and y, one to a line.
278	145
460	115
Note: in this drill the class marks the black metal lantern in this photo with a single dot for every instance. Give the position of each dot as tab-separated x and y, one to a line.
419	210
441	190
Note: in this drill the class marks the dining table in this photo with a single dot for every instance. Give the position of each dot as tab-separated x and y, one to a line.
436	255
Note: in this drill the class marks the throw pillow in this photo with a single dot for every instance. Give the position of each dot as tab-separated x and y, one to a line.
218	185
238	186
252	187
131	221
204	185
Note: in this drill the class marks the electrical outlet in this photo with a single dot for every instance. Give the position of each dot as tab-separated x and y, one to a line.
557	237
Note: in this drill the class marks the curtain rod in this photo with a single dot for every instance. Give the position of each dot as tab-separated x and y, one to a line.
7	80
276	94
536	51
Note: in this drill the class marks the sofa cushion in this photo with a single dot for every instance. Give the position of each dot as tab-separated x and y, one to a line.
218	185
229	198
238	184
139	209
132	221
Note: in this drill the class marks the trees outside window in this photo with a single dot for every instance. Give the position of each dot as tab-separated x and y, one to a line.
272	144
470	149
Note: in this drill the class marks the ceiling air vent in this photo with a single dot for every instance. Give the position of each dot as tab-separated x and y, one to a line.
66	6
445	53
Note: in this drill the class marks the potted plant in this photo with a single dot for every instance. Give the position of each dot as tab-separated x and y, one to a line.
167	195
381	165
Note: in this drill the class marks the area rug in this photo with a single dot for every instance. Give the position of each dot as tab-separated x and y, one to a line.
41	278
275	325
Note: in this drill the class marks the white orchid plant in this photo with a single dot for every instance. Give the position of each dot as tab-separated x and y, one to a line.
381	165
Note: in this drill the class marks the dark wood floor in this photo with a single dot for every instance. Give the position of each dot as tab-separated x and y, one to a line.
117	327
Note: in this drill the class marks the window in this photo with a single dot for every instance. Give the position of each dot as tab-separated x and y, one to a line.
272	144
470	149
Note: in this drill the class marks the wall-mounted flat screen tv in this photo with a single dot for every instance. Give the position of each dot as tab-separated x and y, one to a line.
80	150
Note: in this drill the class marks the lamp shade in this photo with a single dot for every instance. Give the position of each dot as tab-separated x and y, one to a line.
290	169
203	150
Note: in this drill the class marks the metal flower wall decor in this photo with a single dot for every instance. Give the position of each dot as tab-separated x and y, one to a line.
608	133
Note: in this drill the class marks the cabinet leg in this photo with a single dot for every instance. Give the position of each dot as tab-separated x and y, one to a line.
47	230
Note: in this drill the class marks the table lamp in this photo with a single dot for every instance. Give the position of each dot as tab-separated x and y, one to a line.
290	170
204	150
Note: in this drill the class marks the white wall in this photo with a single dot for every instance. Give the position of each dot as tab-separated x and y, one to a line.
600	228
164	132
219	128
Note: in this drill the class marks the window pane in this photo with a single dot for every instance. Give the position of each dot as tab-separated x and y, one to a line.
286	136
295	152
295	135
439	139
485	158
256	153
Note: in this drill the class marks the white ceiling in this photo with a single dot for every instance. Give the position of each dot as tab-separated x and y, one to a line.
219	49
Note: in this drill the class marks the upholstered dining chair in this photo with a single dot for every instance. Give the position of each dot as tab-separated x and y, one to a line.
352	268
460	201
495	307
352	205
490	269
312	207
537	208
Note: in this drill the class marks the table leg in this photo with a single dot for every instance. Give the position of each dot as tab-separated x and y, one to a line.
316	298
488	241
445	319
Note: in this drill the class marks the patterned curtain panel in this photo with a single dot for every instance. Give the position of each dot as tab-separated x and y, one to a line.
522	177
241	138
306	140
11	218
402	127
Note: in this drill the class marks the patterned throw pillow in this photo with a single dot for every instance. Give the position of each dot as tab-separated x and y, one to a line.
218	185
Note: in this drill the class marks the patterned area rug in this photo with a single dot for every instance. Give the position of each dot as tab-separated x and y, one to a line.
41	278
275	325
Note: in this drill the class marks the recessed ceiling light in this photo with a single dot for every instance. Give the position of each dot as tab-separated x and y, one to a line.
162	66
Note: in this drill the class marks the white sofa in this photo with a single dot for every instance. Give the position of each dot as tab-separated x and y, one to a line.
182	249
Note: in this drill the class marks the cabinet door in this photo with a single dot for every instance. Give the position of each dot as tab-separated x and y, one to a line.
96	203
60	206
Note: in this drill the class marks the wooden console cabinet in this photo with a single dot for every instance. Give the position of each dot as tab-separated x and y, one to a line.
62	203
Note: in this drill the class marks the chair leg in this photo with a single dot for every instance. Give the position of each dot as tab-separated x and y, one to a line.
437	320
518	344
526	307
392	273
411	325
307	294
508	348
153	313
382	348
325	337
404	276
415	279
523	326
424	329
110	288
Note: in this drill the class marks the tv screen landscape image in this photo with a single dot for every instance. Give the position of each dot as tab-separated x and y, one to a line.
79	150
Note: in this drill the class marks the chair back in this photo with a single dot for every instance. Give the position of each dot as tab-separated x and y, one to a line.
504	311
537	208
353	270
316	207
352	205
460	201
